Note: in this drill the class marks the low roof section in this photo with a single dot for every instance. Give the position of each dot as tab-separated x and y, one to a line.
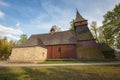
104	47
63	37
32	41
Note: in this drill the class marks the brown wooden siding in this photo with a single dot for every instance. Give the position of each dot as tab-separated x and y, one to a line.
86	44
61	52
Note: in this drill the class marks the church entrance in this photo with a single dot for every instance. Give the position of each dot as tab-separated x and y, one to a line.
61	52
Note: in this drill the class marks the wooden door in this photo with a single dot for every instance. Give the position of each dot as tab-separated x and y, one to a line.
61	52
49	52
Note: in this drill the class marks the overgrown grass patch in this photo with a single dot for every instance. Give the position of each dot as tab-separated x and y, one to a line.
61	73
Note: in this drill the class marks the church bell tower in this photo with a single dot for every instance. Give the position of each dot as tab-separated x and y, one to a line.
87	47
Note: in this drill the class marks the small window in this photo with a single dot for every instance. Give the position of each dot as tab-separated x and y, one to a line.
59	50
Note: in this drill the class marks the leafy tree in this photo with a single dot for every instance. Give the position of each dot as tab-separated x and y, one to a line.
5	38
118	41
72	24
5	47
94	30
100	35
111	26
57	29
23	38
97	32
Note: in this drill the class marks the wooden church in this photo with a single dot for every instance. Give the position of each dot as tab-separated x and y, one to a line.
77	44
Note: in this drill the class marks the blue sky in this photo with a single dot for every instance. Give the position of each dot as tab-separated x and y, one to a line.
37	16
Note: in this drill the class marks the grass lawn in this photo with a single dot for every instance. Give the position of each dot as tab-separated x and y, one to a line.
61	73
77	61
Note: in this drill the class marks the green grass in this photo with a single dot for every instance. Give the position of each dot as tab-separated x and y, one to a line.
61	73
77	61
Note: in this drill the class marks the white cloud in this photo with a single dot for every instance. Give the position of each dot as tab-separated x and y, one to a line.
18	24
10	32
2	15
12	37
92	10
3	4
62	16
54	16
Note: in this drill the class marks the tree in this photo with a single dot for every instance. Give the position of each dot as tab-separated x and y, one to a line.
5	38
5	47
72	24
94	30
23	38
100	35
111	27
118	41
57	29
97	32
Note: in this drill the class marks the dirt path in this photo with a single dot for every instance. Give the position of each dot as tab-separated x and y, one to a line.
3	64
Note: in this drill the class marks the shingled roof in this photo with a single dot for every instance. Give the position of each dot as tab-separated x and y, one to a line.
78	17
104	47
63	37
32	41
84	33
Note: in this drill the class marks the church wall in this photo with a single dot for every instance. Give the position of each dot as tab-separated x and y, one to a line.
28	54
88	50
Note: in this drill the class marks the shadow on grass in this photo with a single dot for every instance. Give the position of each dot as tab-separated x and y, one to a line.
72	74
36	74
6	74
61	73
52	73
78	61
65	73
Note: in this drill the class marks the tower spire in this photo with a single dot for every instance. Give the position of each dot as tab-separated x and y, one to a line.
78	16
